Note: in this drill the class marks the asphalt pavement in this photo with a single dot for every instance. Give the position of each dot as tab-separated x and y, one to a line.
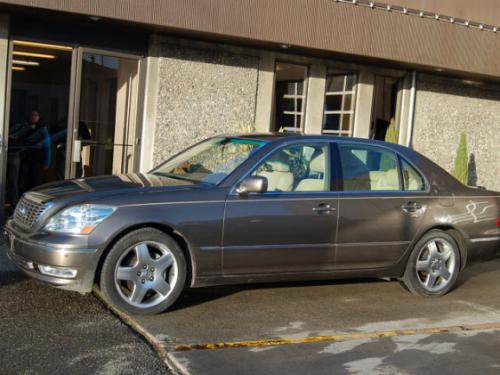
48	331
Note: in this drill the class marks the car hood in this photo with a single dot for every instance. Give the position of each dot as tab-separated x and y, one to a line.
93	188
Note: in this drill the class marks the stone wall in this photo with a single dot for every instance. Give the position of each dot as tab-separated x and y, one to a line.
446	107
201	93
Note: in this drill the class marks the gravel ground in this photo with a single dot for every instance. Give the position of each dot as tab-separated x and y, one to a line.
49	331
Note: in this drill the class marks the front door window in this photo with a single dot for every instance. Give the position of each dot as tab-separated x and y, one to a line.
298	167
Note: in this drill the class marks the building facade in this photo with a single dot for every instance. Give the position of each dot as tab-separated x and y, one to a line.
122	85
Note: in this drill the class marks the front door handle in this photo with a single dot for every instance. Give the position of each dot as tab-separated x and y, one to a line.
323	208
411	207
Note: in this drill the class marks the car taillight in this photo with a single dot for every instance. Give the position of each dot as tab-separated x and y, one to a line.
498	221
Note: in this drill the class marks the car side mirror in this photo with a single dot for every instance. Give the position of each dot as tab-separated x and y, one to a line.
252	184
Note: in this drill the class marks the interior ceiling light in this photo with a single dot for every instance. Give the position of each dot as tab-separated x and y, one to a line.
18	68
24	62
42	45
33	54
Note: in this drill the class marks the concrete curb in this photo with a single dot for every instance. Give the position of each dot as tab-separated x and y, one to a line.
173	365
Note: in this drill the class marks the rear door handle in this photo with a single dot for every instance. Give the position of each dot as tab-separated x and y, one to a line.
411	207
323	208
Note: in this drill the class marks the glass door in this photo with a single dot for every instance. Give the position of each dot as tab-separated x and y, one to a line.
38	89
104	135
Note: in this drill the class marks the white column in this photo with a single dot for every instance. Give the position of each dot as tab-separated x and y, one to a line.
149	112
265	92
364	102
315	99
407	110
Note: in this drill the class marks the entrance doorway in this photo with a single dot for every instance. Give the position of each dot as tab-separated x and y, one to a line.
72	114
385	100
104	138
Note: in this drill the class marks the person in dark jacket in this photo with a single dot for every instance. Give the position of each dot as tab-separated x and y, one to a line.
17	133
36	154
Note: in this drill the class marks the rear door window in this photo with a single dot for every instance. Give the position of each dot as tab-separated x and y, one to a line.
368	168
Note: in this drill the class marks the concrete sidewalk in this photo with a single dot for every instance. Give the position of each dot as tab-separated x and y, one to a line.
452	353
254	316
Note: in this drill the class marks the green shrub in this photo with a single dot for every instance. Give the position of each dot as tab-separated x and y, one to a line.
461	169
392	134
248	127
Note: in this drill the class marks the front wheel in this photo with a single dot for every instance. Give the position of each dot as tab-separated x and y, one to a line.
144	272
433	266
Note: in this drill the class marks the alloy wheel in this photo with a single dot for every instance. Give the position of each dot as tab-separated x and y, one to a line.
436	265
145	274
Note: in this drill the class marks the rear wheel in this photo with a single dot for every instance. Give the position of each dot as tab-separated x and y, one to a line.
144	272
433	266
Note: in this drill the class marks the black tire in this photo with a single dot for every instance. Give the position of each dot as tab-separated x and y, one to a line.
420	282
115	291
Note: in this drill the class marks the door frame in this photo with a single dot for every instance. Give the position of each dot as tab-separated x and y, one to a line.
73	105
4	140
75	96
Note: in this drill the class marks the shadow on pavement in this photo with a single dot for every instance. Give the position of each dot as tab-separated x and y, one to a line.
199	296
11	277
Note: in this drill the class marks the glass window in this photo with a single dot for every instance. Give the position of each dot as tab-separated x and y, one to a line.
299	167
412	180
368	168
338	112
210	161
290	96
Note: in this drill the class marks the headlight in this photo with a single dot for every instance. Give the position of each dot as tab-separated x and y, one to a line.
80	219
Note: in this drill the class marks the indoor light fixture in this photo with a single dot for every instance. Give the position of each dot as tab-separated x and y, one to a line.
42	45
18	68
24	62
33	54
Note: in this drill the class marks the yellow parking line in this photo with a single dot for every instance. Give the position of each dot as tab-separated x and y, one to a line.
336	338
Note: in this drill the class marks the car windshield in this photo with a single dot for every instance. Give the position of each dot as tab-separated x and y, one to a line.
210	161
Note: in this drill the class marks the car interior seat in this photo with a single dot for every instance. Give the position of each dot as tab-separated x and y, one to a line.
384	180
355	173
316	167
279	177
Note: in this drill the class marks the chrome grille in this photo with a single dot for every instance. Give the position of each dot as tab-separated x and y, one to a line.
28	212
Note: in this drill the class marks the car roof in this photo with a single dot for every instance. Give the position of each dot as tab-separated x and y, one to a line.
288	136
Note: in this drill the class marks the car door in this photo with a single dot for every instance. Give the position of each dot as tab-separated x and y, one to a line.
381	206
292	226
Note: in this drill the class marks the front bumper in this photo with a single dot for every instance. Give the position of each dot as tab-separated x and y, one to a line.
28	255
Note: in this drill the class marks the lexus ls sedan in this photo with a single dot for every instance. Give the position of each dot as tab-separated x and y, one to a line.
256	208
